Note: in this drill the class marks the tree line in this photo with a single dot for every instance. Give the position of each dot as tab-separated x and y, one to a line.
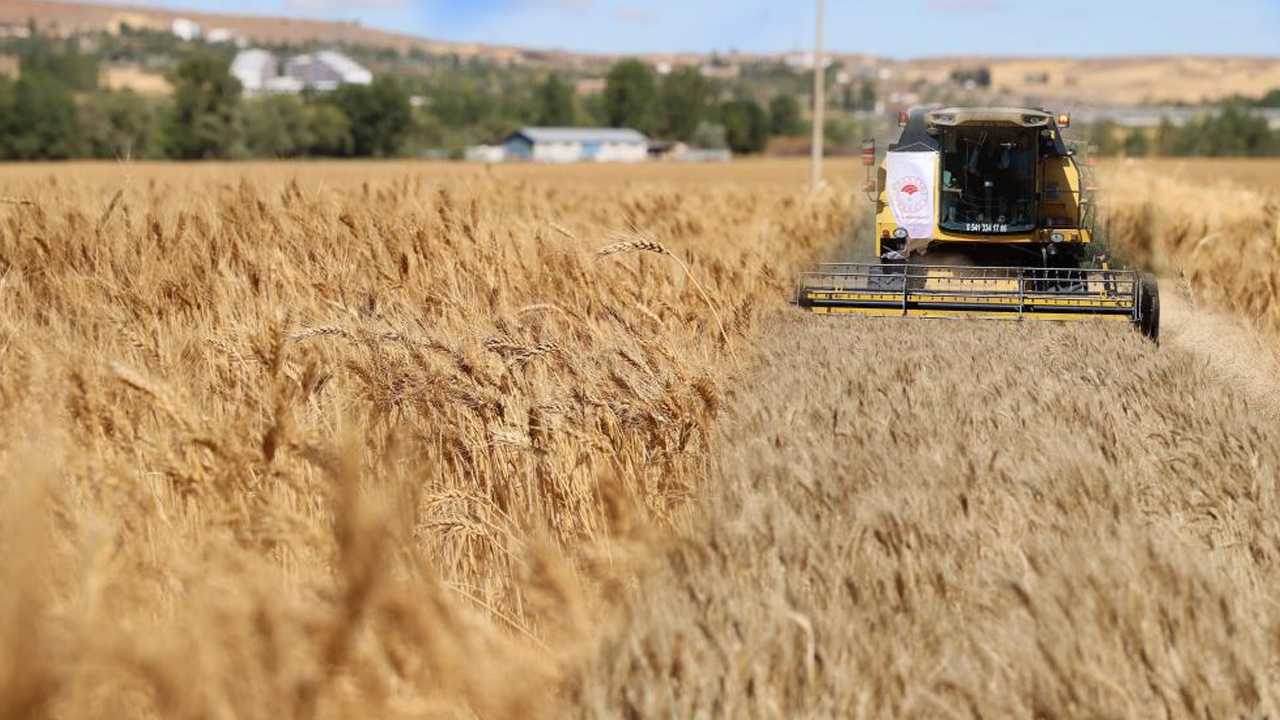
1235	130
55	109
439	105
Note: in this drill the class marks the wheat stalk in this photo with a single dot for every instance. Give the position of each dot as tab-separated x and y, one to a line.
561	229
633	244
638	243
111	208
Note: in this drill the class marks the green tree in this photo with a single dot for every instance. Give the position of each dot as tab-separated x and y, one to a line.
277	126
784	114
847	101
1233	131
845	133
1136	144
1270	100
554	103
38	119
380	114
631	96
7	128
204	120
867	96
117	125
1166	137
746	126
330	131
594	111
427	133
59	59
452	101
686	98
462	103
1106	137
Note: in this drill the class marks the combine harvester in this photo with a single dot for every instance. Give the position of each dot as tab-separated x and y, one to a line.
983	213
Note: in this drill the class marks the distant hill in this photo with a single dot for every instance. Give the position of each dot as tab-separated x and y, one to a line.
74	17
1062	82
1115	81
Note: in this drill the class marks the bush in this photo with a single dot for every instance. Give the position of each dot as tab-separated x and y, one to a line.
711	136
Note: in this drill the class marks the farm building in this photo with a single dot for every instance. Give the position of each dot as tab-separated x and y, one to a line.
186	29
327	70
567	145
259	71
254	69
485	154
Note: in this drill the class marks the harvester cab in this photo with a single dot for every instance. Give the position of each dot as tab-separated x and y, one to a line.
986	213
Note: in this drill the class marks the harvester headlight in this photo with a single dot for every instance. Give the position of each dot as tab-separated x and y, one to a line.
900	234
1057	237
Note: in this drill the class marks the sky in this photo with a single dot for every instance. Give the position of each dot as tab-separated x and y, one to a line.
900	28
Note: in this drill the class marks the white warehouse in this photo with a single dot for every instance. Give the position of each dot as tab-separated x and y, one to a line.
569	145
259	72
327	70
254	69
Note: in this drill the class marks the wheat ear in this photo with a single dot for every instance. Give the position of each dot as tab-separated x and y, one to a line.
638	243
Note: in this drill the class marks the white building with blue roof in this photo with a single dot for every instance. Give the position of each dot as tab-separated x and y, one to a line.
569	145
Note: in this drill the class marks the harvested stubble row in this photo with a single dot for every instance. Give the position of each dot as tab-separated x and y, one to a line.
977	521
273	448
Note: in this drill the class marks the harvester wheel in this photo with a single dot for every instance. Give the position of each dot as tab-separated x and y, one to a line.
801	298
1149	308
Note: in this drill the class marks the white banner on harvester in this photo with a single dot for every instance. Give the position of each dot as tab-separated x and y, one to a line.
911	177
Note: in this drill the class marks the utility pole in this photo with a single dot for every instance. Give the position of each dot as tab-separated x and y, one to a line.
819	98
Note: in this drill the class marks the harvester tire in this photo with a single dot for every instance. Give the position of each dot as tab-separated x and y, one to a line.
1149	308
801	298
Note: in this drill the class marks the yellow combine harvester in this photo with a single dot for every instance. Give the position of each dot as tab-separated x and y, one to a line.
983	212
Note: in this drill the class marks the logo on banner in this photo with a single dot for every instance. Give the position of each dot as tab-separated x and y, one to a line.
913	194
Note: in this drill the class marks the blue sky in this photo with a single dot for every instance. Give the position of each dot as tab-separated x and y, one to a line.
901	28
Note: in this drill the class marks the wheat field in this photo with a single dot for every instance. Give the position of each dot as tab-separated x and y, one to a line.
1255	174
1211	227
417	441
